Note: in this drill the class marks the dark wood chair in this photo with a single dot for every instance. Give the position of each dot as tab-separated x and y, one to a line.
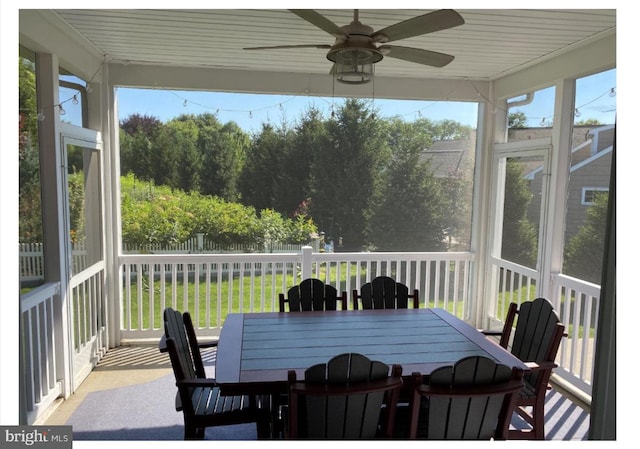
471	400
344	399
312	294
199	397
536	338
384	292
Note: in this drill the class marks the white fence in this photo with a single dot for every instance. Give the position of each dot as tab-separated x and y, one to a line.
32	265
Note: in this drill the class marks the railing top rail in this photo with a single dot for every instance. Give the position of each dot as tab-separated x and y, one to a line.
382	256
531	272
580	285
38	295
206	258
289	257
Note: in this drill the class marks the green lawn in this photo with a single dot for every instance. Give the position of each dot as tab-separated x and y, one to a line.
265	286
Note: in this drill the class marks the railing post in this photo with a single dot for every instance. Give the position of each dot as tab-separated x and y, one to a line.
307	260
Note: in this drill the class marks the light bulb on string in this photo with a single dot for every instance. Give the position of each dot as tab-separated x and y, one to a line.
250	114
75	99
612	92
61	109
543	122
184	103
577	113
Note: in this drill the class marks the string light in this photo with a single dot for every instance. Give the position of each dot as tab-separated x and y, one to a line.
577	113
75	99
612	92
62	111
185	103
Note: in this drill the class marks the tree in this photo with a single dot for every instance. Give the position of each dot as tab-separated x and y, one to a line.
589	122
264	176
136	155
408	213
449	130
139	123
309	135
519	236
583	253
138	136
223	150
517	120
346	172
29	203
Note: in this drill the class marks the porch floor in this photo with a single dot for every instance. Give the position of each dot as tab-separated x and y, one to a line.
130	396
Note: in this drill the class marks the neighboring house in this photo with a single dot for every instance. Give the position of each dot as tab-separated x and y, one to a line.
451	157
590	171
590	166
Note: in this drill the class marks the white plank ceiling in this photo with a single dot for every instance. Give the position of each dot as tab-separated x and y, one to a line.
492	43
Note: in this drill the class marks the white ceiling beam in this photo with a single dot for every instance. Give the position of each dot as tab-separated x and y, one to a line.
264	82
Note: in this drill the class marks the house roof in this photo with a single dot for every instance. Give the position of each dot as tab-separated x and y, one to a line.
447	157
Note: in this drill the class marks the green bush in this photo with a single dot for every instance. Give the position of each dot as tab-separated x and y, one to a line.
161	215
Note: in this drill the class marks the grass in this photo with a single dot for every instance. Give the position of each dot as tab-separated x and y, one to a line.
234	297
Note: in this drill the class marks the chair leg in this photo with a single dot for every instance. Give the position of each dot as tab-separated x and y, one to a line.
192	432
538	422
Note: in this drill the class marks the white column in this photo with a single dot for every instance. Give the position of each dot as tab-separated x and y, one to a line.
54	213
561	141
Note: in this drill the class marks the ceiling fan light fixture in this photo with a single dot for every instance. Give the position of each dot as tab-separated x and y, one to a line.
353	74
354	65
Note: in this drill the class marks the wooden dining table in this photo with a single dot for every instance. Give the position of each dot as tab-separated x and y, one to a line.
256	350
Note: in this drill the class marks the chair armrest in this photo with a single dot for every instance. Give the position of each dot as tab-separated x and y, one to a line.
209	344
489	332
540	366
162	344
197	382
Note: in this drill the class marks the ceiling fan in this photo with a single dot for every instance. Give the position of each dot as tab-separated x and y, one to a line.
357	47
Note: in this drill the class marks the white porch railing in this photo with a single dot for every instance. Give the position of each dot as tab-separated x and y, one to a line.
577	304
229	283
38	351
251	282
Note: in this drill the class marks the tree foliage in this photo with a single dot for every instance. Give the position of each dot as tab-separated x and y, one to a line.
517	120
584	252
347	171
29	202
519	236
408	211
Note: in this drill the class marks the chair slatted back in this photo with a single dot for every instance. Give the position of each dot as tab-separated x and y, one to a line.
537	335
312	294
384	292
471	400
343	399
187	364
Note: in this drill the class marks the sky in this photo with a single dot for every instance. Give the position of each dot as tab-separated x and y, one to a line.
250	111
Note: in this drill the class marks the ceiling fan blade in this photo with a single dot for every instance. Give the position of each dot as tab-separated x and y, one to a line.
427	23
320	21
417	55
275	47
